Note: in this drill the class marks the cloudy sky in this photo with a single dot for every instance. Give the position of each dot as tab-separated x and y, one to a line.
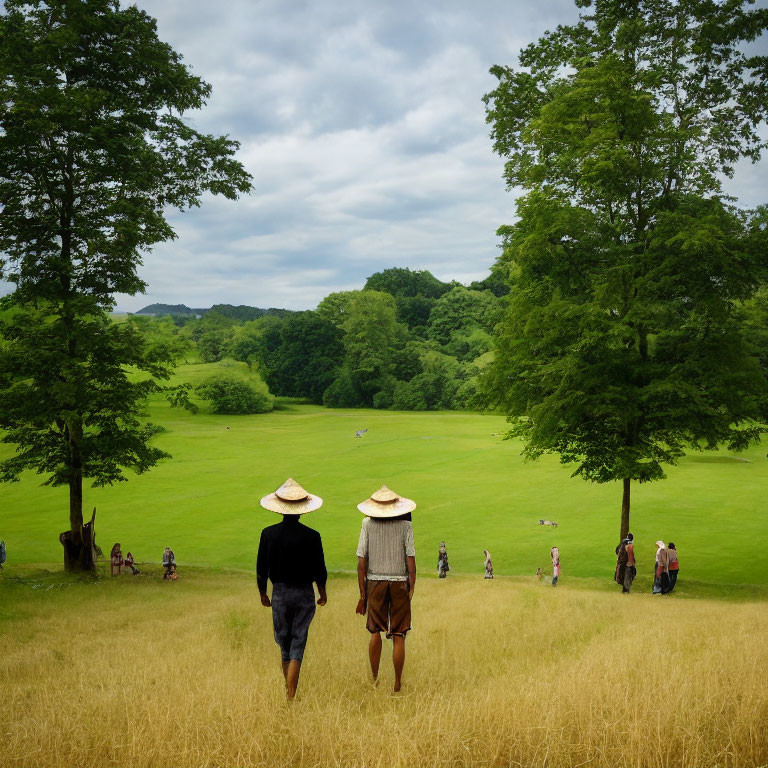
363	127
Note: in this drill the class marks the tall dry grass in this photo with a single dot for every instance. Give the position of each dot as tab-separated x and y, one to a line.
145	674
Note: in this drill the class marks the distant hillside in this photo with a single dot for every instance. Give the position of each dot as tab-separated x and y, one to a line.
169	309
241	312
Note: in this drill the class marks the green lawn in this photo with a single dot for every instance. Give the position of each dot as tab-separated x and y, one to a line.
473	490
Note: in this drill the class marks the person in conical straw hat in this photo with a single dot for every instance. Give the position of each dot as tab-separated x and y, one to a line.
291	557
386	574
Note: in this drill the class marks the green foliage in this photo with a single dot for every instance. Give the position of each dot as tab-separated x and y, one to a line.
407	360
415	293
408	397
753	316
308	358
435	388
621	345
404	282
414	312
371	333
161	333
335	307
460	308
85	419
343	392
468	343
230	394
213	333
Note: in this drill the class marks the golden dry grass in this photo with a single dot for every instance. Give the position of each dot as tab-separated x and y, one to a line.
136	672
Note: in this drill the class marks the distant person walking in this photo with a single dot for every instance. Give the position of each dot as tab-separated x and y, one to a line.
3	553
626	568
386	574
555	555
661	570
442	561
169	563
674	565
488	564
291	557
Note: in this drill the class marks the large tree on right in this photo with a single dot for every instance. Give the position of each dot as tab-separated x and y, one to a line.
621	345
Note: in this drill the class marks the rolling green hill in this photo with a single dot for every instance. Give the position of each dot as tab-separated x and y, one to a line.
473	490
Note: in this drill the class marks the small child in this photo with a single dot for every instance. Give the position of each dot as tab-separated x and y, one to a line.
539	573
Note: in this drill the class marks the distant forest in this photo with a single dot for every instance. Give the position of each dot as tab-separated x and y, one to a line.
406	341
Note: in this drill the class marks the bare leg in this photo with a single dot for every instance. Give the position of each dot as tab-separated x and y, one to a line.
292	677
398	659
374	653
285	671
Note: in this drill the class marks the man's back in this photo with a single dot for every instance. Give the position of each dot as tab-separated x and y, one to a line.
291	553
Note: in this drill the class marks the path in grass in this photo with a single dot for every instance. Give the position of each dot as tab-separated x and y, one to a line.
472	488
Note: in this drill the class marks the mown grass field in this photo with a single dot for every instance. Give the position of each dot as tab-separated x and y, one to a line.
473	490
134	671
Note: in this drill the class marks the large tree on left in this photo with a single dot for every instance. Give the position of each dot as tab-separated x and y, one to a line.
93	152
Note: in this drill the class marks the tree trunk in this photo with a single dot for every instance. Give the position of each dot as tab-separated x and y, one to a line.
78	541
80	550
625	510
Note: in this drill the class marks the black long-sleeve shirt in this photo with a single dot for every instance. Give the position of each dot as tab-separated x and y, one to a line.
290	553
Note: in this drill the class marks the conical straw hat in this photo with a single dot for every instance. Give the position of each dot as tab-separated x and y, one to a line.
291	499
386	503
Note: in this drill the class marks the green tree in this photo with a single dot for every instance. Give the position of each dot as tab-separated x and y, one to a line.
401	281
93	151
309	357
234	395
469	342
335	307
415	293
434	389
371	333
621	345
163	333
460	308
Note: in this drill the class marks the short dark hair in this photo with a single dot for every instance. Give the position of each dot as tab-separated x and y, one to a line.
671	545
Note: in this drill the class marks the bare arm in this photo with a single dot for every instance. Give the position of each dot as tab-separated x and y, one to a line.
362	572
411	575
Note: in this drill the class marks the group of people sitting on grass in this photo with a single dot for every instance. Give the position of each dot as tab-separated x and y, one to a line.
665	567
117	562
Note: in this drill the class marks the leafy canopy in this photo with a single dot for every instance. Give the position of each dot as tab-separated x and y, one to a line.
620	344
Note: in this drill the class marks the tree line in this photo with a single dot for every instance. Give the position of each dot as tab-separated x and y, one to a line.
406	341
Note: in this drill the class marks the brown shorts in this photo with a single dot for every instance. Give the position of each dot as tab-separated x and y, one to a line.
389	607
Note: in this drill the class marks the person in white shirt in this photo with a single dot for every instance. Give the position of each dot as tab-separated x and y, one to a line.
386	574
